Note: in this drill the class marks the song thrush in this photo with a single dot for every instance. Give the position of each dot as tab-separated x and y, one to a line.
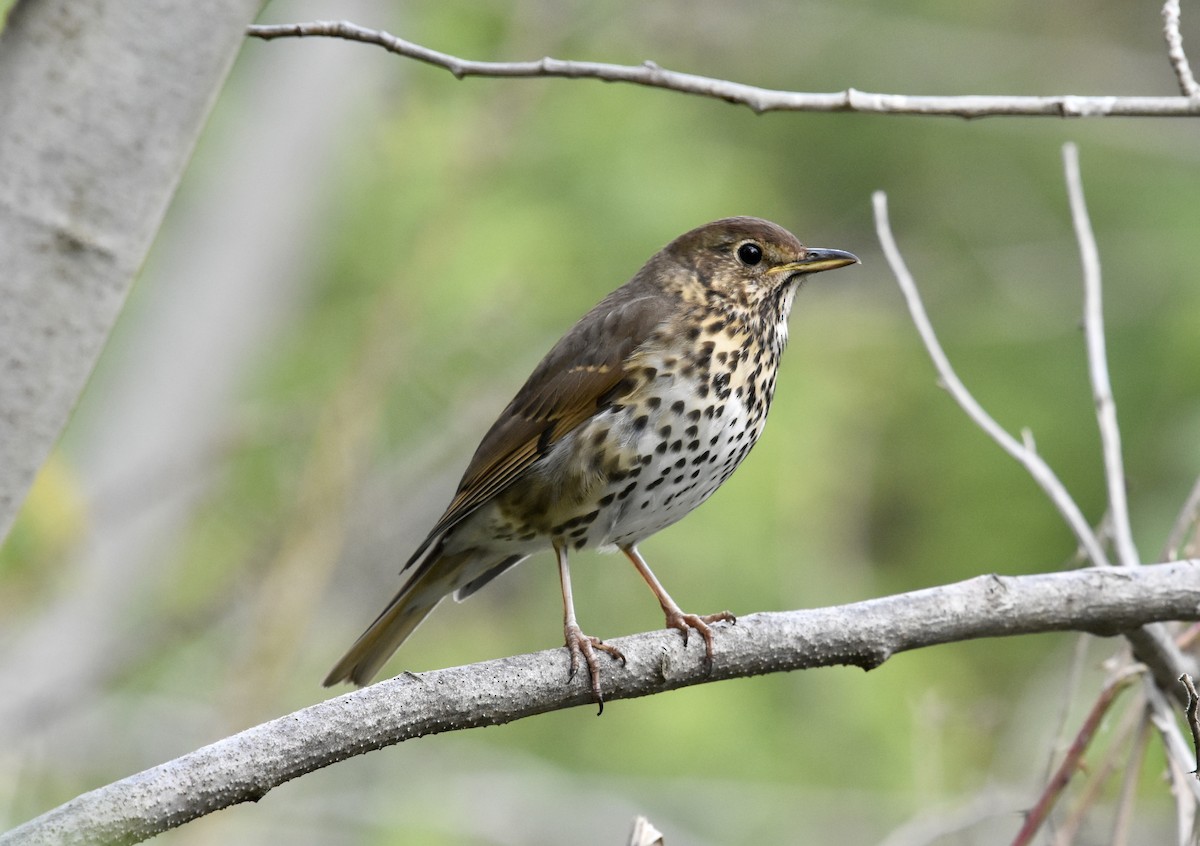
633	419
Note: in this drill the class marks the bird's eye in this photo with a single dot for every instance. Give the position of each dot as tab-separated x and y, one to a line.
749	254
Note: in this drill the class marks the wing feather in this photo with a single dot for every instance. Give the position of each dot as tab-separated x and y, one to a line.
575	380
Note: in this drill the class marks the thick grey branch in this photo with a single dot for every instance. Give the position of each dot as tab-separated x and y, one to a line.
248	765
758	99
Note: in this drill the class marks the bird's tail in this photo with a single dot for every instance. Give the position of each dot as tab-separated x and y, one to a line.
420	595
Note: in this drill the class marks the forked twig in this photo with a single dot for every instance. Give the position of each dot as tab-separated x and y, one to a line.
1024	453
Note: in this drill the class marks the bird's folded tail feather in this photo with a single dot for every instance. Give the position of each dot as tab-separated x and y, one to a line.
420	595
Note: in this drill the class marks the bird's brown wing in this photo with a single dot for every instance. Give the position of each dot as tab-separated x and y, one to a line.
575	379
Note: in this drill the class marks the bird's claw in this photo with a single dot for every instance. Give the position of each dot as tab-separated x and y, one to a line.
583	646
701	623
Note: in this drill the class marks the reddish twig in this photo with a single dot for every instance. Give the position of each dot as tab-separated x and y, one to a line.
1070	763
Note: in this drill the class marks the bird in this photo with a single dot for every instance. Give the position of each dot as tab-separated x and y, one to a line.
633	419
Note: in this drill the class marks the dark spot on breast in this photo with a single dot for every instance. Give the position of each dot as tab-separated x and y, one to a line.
699	459
676	446
677	406
665	431
639	422
655	484
606	500
653	402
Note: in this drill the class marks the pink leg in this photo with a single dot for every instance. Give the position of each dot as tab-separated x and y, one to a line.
676	618
579	644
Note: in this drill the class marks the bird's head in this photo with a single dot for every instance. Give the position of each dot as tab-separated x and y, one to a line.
743	263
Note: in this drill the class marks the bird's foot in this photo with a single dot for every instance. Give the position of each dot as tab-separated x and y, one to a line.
677	619
583	648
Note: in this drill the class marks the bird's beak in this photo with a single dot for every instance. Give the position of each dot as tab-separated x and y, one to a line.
817	259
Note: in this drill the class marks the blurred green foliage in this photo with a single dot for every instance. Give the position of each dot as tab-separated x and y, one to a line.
466	224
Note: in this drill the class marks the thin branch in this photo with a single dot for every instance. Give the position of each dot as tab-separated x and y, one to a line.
246	766
1024	453
1179	760
1071	761
1190	711
1179	60
759	99
1093	324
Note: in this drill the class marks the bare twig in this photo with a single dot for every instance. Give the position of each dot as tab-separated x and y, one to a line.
1179	761
1152	645
758	99
246	766
1070	763
1179	60
1190	710
1022	452
1093	324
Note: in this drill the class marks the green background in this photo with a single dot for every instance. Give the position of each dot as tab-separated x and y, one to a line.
455	229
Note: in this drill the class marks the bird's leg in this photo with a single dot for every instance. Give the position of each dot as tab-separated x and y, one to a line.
676	618
579	644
